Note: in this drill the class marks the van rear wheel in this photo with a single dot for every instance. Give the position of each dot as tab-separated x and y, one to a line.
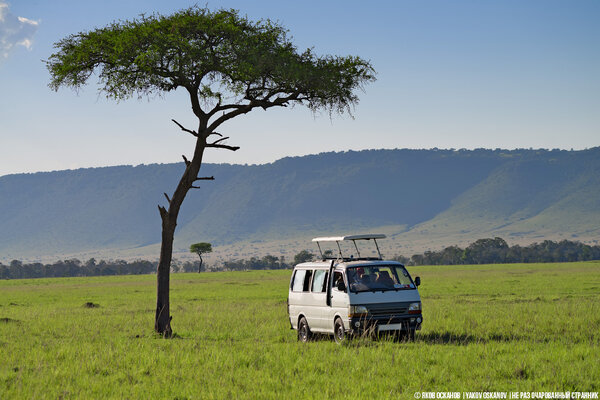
304	333
339	333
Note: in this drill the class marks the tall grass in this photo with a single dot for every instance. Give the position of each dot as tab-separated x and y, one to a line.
530	327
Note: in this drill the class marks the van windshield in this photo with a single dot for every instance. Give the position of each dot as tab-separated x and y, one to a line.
376	278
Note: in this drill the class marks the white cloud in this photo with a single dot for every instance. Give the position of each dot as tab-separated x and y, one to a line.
27	21
14	31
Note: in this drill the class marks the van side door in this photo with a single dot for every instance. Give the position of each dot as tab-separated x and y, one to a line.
304	302
295	296
339	301
319	295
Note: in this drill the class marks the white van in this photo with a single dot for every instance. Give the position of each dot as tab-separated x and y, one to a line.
350	296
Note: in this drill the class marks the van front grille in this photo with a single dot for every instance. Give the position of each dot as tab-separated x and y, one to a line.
387	309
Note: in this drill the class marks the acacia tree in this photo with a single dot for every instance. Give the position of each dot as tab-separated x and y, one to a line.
200	248
228	65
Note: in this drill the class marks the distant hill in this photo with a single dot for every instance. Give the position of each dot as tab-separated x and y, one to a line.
422	198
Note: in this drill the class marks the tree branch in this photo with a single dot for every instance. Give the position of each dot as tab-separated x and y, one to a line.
193	91
219	108
220	140
205	178
162	211
223	146
185	160
194	187
185	129
244	109
226	116
168	199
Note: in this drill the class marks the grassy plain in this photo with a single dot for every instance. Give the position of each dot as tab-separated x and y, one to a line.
528	327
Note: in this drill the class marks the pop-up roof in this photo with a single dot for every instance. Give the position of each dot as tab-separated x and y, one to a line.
353	238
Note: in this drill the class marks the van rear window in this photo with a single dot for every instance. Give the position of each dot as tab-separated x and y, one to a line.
306	285
301	282
319	281
298	282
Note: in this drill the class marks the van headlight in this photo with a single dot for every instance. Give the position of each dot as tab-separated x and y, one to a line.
414	308
357	311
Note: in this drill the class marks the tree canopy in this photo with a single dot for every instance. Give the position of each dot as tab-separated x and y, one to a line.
214	55
201	248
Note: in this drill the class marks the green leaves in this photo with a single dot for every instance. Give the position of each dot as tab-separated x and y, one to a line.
201	248
214	55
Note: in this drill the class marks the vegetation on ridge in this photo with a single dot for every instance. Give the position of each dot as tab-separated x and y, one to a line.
483	251
496	250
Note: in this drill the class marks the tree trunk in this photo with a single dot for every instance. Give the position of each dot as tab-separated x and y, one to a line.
200	266
162	320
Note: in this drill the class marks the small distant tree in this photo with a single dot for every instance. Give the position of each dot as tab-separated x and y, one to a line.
91	263
270	262
201	248
303	256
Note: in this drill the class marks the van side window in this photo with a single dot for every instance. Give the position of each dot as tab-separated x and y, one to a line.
319	280
306	285
337	278
325	282
298	281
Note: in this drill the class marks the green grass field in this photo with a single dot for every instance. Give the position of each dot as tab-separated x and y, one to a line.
532	327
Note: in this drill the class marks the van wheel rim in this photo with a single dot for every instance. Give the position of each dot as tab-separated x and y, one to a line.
339	332
303	334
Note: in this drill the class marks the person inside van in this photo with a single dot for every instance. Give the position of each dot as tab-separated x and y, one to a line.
384	279
364	277
339	282
357	279
371	279
360	271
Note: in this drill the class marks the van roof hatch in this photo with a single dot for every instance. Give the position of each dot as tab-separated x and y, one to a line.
353	238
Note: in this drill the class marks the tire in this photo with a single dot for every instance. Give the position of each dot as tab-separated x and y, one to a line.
304	333
339	333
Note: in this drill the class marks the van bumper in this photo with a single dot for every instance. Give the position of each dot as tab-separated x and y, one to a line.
392	323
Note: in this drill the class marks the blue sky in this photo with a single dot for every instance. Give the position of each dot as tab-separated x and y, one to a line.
451	74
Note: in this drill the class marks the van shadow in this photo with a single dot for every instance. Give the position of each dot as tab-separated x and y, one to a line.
462	339
443	338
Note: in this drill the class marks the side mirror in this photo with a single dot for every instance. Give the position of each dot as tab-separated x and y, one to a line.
340	286
418	280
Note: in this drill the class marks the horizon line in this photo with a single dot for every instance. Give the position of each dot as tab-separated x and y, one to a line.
497	149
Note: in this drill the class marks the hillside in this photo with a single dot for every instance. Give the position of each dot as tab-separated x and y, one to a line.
423	198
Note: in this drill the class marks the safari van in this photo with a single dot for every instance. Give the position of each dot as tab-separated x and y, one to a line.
348	296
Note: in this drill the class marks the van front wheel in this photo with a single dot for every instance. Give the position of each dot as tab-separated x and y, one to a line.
339	333
304	333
